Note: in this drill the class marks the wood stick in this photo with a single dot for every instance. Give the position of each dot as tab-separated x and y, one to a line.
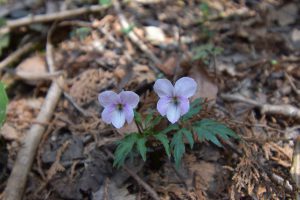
43	18
295	169
18	177
285	109
17	54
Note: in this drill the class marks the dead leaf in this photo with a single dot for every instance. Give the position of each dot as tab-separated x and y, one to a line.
8	132
113	192
155	35
286	15
33	65
168	67
206	86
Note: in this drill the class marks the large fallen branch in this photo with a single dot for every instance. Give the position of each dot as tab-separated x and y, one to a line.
18	177
285	109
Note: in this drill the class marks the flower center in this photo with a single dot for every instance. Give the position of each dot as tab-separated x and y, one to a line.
175	100
120	106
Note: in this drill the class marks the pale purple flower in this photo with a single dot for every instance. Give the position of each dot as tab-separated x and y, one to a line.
118	107
174	100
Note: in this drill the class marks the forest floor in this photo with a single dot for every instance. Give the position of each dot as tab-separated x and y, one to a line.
244	55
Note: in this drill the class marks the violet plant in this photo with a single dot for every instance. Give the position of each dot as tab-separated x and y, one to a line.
175	105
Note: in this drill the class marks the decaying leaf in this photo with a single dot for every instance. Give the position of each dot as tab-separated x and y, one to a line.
206	86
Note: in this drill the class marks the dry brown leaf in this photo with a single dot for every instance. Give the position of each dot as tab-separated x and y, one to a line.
8	132
168	67
206	86
33	65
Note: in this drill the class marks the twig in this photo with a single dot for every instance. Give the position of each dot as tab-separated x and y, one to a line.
16	54
17	180
295	169
37	77
145	185
76	106
25	21
134	38
285	109
297	91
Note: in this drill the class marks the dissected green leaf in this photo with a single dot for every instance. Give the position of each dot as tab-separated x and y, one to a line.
189	136
141	147
124	148
149	118
138	118
155	121
3	103
208	129
171	127
165	141
195	108
178	146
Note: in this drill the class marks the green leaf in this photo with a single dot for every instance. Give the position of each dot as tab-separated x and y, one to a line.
124	148
149	118
4	42
138	118
2	21
141	147
208	129
189	136
155	122
81	32
195	108
3	103
213	139
171	127
178	147
165	141
104	2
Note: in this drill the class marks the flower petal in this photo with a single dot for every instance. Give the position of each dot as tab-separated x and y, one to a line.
185	87
163	104
184	105
173	113
163	87
129	98
106	114
118	118
108	98
129	114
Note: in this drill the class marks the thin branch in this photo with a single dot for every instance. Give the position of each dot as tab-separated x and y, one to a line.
18	177
16	54
296	90
25	21
38	77
285	109
295	169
